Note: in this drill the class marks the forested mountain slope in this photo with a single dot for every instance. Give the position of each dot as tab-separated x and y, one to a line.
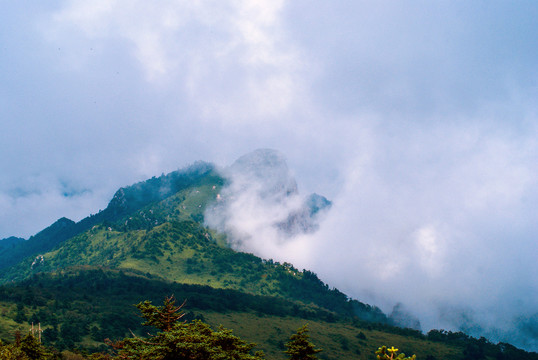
79	280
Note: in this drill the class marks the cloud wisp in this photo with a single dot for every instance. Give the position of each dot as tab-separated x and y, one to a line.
418	120
438	257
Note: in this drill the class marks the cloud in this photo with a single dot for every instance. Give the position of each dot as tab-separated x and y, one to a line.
417	119
207	46
446	244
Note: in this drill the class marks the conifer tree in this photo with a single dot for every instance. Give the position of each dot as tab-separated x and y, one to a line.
299	347
179	340
27	348
33	349
162	317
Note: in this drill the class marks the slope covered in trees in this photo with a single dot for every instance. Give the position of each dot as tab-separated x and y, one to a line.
81	279
126	202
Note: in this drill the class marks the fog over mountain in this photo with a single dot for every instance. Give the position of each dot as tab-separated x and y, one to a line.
261	208
426	274
417	120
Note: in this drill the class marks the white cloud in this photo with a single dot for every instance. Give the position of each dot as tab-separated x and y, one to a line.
430	250
418	120
233	58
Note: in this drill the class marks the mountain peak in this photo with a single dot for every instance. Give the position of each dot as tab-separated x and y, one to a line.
267	168
130	198
10	242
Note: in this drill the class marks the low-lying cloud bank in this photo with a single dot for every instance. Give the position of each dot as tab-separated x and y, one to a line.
417	119
452	248
261	209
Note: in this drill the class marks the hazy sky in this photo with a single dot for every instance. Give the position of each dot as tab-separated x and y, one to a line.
419	119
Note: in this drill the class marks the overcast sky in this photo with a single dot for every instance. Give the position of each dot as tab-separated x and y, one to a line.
419	119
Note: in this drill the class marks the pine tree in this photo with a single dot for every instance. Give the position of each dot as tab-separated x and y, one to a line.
300	347
179	340
33	349
27	348
162	317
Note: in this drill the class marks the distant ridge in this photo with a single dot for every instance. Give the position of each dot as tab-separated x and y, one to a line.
44	240
124	202
10	242
153	237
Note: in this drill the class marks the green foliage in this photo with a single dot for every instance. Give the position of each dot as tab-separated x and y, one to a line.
185	251
383	353
179	340
33	349
299	347
45	240
27	348
126	204
149	228
162	317
149	242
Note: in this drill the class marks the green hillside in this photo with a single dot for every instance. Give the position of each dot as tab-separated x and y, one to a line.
82	307
151	242
124	206
185	252
166	240
79	308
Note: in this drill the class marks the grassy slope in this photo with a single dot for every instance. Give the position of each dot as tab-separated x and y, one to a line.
164	240
93	298
339	340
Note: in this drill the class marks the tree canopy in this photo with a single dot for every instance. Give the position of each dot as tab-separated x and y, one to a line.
299	347
179	340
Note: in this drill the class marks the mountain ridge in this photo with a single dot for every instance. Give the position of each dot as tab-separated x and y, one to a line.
125	201
156	230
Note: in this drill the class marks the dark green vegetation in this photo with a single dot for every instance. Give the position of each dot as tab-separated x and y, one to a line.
175	339
79	281
125	203
300	348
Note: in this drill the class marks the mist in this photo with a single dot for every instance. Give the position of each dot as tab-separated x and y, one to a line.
438	247
417	120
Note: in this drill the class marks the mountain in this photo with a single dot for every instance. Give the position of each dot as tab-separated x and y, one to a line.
267	169
125	201
44	240
304	220
261	197
10	242
156	227
154	239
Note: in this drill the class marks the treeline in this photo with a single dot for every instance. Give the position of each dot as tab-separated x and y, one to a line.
96	303
75	304
165	248
172	338
473	348
480	348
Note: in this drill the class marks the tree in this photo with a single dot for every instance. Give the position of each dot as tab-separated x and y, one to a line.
162	317
20	316
299	347
27	348
177	340
11	352
33	349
